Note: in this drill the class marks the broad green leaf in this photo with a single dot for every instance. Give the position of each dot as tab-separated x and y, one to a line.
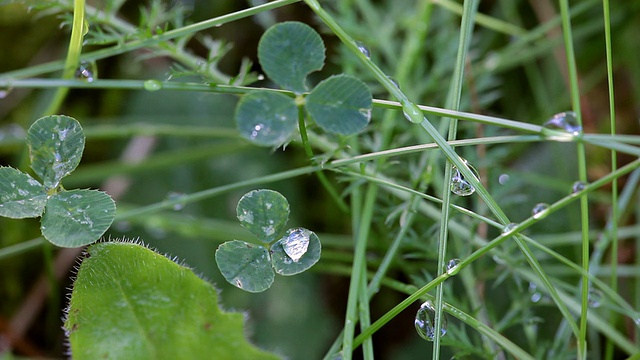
266	118
285	264
129	302
21	196
77	217
340	104
263	212
245	265
55	144
288	52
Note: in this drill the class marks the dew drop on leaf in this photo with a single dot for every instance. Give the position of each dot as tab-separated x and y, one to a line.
509	228
152	85
540	210
364	49
459	185
412	112
535	294
452	266
4	92
564	121
425	321
394	81
503	179
176	196
85	72
296	243
577	187
595	298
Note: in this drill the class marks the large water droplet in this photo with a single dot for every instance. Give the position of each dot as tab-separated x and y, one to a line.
540	210
577	187
296	243
595	298
564	121
152	85
459	185
85	71
364	49
412	112
509	228
452	266
425	321
535	294
503	179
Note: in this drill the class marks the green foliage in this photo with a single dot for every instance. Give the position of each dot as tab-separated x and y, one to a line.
288	52
251	267
486	74
71	218
130	302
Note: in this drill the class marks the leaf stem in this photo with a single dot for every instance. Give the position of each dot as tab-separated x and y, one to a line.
321	176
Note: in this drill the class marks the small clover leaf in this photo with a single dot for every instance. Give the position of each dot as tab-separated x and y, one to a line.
288	52
78	217
55	145
246	266
21	196
264	213
266	118
340	104
298	250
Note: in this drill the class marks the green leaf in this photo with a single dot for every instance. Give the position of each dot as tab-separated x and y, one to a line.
266	118
340	104
78	217
21	196
288	52
55	144
246	266
263	212
284	264
129	302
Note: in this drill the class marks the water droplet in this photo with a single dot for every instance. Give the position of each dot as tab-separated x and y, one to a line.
564	121
260	77
637	320
595	298
452	266
172	196
394	81
503	179
259	130
412	112
540	210
152	85
296	243
425	321
509	228
535	294
85	71
577	187
459	185
4	92
363	49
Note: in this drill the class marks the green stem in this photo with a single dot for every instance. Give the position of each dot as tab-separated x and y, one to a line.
614	160
359	265
73	56
321	176
453	102
582	171
489	246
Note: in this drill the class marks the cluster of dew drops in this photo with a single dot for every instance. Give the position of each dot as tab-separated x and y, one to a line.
565	122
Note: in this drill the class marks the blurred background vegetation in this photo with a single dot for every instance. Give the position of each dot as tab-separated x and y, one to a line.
515	71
